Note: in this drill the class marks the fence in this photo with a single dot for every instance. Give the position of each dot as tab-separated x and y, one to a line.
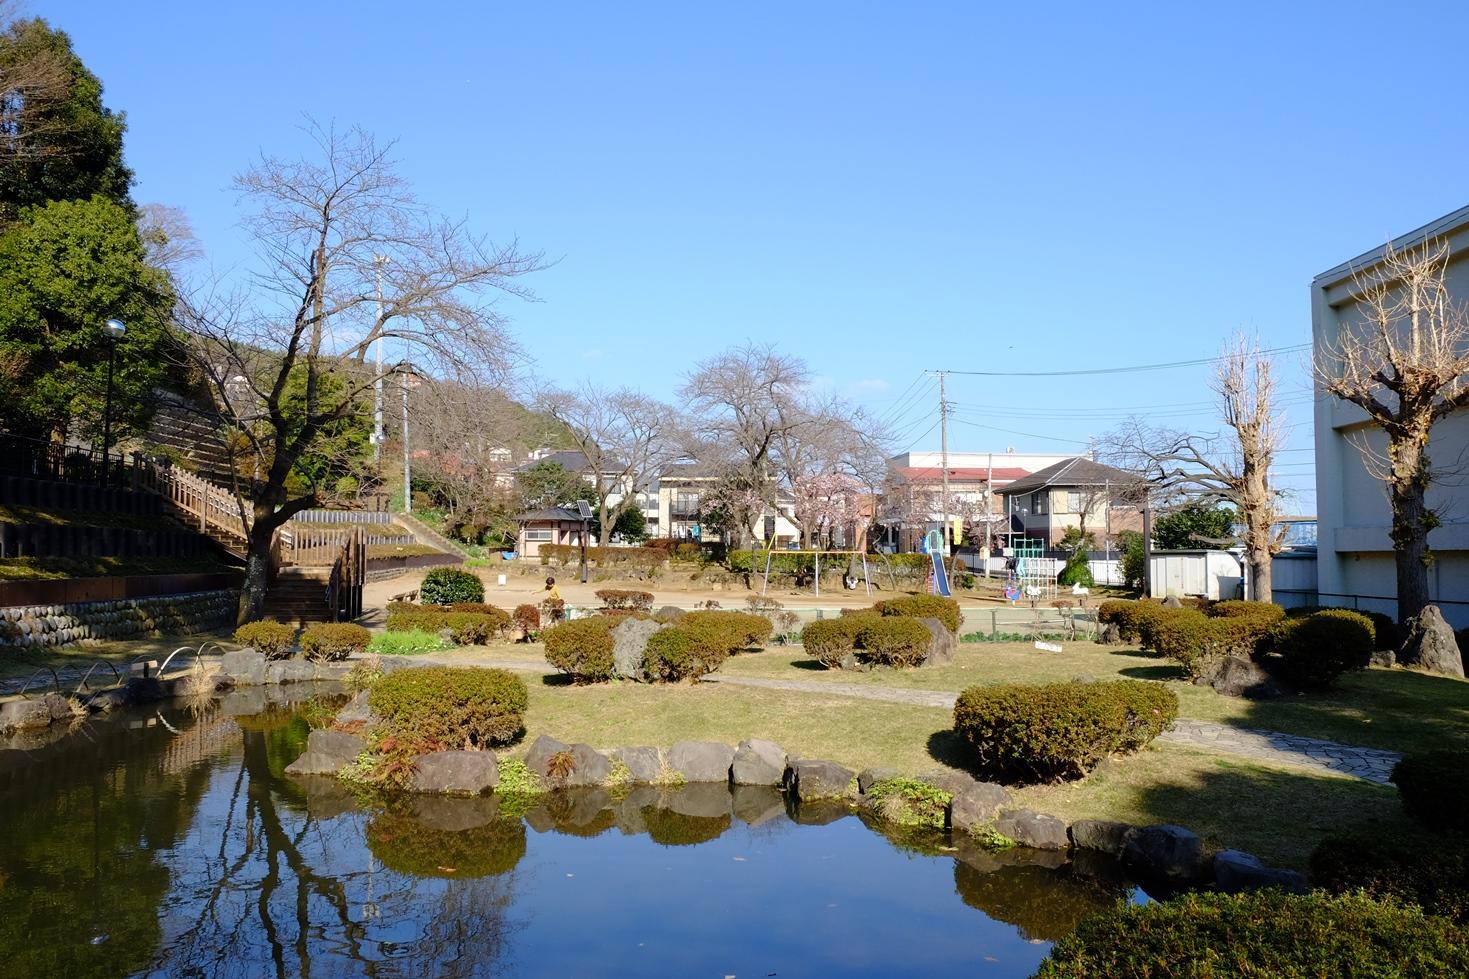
319	548
344	516
1455	612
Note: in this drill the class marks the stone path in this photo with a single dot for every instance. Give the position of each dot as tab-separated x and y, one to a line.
1370	764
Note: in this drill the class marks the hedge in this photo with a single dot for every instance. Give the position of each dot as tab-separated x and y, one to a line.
1310	653
892	641
1236	609
268	637
1265	933
1429	871
1199	643
445	586
1129	617
830	641
581	648
439	707
1386	632
1434	787
740	630
1048	732
618	598
676	653
946	610
468	628
645	559
334	640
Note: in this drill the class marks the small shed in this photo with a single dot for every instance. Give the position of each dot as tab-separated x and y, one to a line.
549	525
1215	575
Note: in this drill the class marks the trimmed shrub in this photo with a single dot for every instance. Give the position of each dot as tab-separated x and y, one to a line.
1434	787
1055	731
527	619
618	598
1311	653
334	640
468	628
1235	608
893	641
406	643
1386	633
445	586
272	639
675	654
732	630
440	707
1077	570
1199	643
830	641
582	648
1265	933
946	610
1429	871
1130	617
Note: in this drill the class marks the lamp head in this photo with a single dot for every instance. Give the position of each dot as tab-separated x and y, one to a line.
115	329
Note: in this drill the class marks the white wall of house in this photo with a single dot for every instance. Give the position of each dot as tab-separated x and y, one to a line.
1355	551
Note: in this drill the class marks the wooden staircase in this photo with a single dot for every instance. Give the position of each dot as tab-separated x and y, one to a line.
319	581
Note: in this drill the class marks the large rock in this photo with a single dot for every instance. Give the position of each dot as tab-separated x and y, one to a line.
588	766
1431	644
870	776
1172	602
975	807
629	640
941	646
644	764
1236	871
538	758
24	715
1109	635
455	773
357	711
701	761
290	671
1171	854
1236	676
246	667
327	753
758	762
1033	829
809	778
1102	835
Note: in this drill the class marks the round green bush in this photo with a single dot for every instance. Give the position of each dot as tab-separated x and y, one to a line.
1258	935
334	640
441	707
581	648
732	630
1310	653
1198	642
446	586
1236	609
1434	787
675	654
1129	617
1053	731
893	641
272	639
946	610
830	641
1429	871
1077	571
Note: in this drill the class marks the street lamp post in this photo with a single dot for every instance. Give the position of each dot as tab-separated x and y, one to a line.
585	510
114	330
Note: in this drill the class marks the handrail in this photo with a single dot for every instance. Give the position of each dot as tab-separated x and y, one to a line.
348	574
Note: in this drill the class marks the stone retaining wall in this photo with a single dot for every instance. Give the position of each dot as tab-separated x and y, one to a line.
63	625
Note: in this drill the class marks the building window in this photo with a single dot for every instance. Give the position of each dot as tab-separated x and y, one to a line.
537	534
1073	501
1039	502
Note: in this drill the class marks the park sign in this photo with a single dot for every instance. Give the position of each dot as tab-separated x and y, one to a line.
1050	647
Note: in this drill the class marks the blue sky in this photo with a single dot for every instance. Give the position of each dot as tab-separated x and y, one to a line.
881	189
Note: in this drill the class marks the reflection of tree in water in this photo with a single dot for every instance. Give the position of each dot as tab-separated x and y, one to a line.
1037	892
680	829
405	844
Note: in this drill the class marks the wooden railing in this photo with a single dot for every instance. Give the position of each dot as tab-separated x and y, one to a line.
194	499
319	548
349	573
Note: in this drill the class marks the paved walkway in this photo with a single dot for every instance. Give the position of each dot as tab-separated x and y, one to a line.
1371	764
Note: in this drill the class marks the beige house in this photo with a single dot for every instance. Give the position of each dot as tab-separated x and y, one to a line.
549	525
1354	547
1077	492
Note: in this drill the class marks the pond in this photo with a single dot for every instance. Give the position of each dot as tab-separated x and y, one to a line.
170	842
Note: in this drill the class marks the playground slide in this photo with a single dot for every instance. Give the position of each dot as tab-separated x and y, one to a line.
934	545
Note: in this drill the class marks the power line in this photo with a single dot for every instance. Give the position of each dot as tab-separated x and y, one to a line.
1032	435
1124	370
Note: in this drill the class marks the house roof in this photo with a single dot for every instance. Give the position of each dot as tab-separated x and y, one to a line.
1079	471
549	513
924	474
572	460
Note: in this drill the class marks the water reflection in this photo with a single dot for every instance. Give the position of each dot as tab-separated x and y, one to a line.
131	849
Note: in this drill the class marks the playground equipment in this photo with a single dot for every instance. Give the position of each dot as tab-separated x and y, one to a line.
938	577
1034	572
816	577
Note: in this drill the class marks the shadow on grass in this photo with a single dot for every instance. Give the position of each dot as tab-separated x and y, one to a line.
557	680
947	747
1154	672
1135	653
810	665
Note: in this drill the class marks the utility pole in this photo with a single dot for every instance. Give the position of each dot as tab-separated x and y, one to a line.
377	399
989	512
407	455
1148	547
944	458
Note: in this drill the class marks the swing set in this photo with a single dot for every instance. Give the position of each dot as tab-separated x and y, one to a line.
816	577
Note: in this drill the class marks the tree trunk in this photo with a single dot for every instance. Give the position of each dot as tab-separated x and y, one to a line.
1261	568
263	525
1411	520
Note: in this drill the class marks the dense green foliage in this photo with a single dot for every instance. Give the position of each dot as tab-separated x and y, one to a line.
1434	787
1429	871
1310	653
675	654
1077	571
1219	936
909	802
946	610
581	648
893	640
334	640
1199	642
550	484
467	628
438	707
1237	609
830	641
449	586
1129	617
1054	731
406	642
1134	558
267	636
733	631
1194	527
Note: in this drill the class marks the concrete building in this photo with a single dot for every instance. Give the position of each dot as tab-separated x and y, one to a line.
1354	547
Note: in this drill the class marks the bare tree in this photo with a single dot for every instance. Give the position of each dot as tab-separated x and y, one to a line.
471	437
628	439
1405	362
168	237
742	401
288	360
1219	468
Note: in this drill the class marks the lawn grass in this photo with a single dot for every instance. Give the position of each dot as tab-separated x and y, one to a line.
55	568
19	514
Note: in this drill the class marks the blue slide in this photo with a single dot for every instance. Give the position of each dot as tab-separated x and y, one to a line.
933	543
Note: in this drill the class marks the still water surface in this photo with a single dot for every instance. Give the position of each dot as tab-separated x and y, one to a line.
171	843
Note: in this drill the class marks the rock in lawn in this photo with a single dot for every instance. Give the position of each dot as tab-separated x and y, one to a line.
868	776
1431	644
816	779
941	644
629	641
1236	871
1101	835
644	765
538	759
975	807
1171	854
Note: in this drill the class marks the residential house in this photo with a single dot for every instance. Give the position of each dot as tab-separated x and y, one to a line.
1355	558
1077	492
549	525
